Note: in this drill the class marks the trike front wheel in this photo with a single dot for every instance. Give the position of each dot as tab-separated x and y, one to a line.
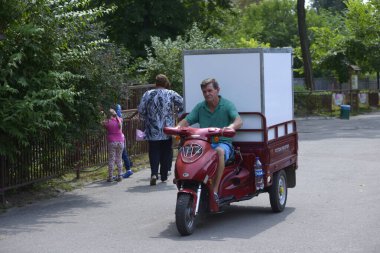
184	214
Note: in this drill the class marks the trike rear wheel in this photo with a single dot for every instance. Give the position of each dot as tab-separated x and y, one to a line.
278	192
184	214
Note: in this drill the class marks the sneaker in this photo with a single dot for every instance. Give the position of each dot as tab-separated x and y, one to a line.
163	179
109	179
153	180
216	197
119	178
128	174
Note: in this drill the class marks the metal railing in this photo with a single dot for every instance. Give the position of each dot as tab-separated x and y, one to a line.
44	159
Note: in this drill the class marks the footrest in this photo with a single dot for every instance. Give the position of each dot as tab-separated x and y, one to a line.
226	200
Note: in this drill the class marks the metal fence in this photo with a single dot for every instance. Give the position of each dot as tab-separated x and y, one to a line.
44	159
135	93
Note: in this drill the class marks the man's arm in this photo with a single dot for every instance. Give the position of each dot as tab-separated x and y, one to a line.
191	118
236	124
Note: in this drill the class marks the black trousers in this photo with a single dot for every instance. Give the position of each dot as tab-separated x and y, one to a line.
160	157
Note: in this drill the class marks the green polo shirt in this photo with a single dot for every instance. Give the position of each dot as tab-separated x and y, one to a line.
224	114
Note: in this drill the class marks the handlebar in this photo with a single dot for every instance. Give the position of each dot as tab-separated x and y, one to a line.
200	132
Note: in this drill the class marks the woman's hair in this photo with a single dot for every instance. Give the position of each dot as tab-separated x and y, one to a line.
162	81
113	112
207	81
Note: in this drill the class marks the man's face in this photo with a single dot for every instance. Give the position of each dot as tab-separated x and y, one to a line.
210	93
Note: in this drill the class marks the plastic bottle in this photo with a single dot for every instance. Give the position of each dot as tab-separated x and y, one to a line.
118	110
259	175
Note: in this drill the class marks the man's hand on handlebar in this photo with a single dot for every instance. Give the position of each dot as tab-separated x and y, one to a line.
228	131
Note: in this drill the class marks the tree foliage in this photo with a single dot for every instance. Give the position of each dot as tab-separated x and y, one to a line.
135	22
272	22
45	82
339	40
244	3
165	56
331	5
329	57
363	24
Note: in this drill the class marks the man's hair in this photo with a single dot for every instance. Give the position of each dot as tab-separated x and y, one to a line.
207	81
162	81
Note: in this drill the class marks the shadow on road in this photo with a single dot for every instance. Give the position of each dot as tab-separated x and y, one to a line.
143	186
236	221
36	217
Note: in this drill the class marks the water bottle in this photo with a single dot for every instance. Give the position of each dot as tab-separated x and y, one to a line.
118	110
259	175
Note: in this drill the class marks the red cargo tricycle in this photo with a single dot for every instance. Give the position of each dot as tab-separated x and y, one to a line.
196	166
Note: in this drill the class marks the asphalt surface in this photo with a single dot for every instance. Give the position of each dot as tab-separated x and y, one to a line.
334	207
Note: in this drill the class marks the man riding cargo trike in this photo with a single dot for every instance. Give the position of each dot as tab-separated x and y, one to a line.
245	140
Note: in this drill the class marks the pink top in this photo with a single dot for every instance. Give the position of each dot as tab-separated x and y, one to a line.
114	133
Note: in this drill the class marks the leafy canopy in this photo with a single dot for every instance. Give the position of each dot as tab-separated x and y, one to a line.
273	22
135	22
47	80
165	56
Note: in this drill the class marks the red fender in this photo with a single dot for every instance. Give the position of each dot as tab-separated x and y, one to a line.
191	192
214	206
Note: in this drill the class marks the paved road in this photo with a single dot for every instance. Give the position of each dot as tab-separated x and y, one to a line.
334	208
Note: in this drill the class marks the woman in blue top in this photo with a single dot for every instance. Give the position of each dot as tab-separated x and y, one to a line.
157	110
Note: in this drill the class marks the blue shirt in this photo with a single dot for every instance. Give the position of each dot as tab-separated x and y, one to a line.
157	110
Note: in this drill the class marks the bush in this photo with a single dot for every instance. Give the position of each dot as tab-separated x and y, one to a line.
308	103
48	71
166	56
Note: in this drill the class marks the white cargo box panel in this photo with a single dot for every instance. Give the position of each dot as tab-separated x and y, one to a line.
255	80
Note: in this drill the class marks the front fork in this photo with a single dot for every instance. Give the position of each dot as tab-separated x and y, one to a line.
196	196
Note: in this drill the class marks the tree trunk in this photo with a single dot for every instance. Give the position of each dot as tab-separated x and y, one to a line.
308	71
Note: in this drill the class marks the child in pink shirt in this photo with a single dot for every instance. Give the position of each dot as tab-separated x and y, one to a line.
115	139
